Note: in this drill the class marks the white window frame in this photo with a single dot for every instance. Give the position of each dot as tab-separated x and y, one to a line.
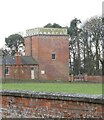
7	70
54	56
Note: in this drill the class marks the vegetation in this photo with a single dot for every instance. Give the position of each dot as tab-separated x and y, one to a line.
86	45
83	88
54	25
14	43
74	32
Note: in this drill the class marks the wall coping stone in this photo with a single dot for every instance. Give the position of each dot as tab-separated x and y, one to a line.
99	99
46	31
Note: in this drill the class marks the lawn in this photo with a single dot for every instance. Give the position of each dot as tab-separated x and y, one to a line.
83	88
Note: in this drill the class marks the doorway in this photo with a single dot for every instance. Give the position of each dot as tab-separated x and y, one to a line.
32	73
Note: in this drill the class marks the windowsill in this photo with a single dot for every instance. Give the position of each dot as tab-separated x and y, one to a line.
6	74
54	59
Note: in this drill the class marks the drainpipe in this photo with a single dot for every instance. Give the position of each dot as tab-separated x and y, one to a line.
38	71
103	42
18	64
30	45
4	68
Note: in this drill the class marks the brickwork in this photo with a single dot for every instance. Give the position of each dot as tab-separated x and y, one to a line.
95	78
1	72
19	104
85	78
20	72
27	45
42	48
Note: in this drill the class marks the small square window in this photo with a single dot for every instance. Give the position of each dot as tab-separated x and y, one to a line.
53	56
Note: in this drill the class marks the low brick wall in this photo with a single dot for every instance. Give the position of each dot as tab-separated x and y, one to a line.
22	104
95	78
86	78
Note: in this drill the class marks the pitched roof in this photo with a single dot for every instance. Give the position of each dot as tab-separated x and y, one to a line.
11	60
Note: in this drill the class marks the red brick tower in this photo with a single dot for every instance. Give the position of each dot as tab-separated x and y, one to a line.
50	47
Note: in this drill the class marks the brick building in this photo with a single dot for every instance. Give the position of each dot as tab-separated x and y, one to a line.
18	67
46	56
50	47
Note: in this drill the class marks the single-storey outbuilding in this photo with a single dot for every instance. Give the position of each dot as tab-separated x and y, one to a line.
18	67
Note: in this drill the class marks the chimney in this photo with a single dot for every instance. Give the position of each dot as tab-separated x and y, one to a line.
18	58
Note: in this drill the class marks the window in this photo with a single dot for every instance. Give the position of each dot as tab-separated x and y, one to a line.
53	56
6	71
32	68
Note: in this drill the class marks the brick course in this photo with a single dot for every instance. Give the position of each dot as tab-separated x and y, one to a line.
42	48
20	72
86	78
51	105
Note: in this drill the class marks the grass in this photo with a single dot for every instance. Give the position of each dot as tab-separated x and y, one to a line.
82	88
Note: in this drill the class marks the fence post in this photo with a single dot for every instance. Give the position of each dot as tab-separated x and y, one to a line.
85	77
72	77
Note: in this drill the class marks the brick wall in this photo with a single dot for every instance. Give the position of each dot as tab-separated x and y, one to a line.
22	104
95	78
19	72
42	48
86	78
28	46
1	72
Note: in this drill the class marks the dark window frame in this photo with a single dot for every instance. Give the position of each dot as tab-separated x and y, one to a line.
53	56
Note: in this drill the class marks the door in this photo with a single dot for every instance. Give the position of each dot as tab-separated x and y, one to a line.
32	73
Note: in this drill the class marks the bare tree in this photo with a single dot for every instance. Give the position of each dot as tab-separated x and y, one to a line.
91	36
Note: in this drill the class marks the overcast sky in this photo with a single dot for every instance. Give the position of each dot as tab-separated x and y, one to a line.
19	15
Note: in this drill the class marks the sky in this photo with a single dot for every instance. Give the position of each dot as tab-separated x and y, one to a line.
19	15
